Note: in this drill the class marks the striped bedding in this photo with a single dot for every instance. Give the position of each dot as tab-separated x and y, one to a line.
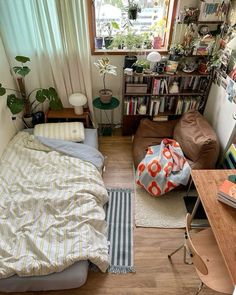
51	211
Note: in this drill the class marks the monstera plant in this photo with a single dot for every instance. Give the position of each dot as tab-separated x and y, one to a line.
20	100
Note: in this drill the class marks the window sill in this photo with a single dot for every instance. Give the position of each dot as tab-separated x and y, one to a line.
125	52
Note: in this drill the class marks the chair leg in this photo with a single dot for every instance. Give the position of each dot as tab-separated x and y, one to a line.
169	256
199	288
185	258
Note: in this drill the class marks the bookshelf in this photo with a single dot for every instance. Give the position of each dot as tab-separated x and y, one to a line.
152	93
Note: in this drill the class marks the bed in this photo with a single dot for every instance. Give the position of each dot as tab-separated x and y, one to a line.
86	234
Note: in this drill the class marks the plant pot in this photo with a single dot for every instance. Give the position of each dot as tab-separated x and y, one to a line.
157	42
27	119
202	68
129	61
38	118
139	69
132	14
105	95
98	42
108	41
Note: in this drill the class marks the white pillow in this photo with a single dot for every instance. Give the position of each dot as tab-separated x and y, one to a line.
73	131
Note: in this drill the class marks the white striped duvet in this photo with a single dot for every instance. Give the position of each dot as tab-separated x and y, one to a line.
51	211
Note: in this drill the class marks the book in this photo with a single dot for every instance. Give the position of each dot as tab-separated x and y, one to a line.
160	118
227	193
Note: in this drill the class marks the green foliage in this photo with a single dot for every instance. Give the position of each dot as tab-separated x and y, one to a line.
2	90
18	104
22	59
22	71
142	63
15	104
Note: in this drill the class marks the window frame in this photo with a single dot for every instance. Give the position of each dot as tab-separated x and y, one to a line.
92	33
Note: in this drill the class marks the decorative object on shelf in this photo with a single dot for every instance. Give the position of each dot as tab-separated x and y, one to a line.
141	64
202	67
171	67
191	15
188	39
203	30
203	45
142	109
105	68
176	52
153	57
174	87
78	100
22	102
133	9
189	65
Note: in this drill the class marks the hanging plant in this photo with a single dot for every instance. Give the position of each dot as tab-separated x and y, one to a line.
133	10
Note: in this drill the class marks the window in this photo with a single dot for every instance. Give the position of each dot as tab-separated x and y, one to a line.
118	26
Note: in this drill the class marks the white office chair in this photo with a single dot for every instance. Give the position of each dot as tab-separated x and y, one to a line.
207	259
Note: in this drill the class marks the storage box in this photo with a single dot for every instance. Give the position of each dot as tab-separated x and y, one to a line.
136	88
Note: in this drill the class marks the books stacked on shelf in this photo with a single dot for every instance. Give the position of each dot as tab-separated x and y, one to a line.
131	105
159	86
185	104
204	46
195	84
227	193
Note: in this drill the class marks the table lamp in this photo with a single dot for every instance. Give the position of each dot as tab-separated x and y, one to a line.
78	100
153	57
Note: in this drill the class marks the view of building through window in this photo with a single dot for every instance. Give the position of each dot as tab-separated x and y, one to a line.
131	24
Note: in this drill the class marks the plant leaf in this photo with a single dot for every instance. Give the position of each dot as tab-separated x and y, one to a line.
22	71
115	25
22	59
16	105
42	94
2	90
55	104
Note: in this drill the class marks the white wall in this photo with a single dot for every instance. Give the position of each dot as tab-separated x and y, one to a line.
220	114
7	127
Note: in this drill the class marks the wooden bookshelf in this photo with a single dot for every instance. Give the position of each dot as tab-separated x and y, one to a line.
193	92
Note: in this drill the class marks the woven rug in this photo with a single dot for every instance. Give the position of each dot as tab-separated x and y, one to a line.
120	230
167	211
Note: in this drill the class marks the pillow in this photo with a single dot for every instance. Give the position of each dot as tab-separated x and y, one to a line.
72	131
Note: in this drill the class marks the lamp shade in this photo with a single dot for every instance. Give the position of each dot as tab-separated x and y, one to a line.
154	56
78	100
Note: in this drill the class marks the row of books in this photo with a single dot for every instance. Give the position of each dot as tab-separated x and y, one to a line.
160	86
227	193
154	106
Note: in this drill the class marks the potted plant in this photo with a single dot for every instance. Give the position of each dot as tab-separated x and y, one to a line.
105	68
158	30
147	42
118	41
131	42
176	52
99	38
22	101
141	64
109	28
133	9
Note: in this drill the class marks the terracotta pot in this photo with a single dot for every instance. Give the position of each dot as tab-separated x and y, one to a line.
202	68
105	95
157	42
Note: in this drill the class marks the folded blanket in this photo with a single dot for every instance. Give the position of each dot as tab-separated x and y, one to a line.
163	168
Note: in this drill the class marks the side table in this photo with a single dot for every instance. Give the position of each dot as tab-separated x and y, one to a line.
106	107
67	114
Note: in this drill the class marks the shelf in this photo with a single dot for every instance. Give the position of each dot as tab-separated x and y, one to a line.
178	74
202	22
166	94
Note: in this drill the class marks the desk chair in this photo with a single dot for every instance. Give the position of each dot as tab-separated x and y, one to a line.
207	259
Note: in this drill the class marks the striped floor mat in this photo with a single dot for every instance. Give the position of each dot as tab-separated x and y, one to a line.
120	230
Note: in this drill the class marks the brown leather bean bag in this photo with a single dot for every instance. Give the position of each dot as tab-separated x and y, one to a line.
192	131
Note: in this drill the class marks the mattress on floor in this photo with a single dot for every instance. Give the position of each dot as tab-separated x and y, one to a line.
72	277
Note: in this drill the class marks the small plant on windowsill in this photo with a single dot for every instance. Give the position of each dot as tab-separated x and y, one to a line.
22	101
109	27
141	64
105	68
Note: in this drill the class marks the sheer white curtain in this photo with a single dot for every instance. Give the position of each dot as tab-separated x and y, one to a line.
54	34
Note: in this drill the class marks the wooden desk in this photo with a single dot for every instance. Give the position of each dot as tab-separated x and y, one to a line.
67	114
222	217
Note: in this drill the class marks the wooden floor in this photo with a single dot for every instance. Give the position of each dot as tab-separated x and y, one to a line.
154	273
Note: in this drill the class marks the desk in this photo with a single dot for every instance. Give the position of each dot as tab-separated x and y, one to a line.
222	217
